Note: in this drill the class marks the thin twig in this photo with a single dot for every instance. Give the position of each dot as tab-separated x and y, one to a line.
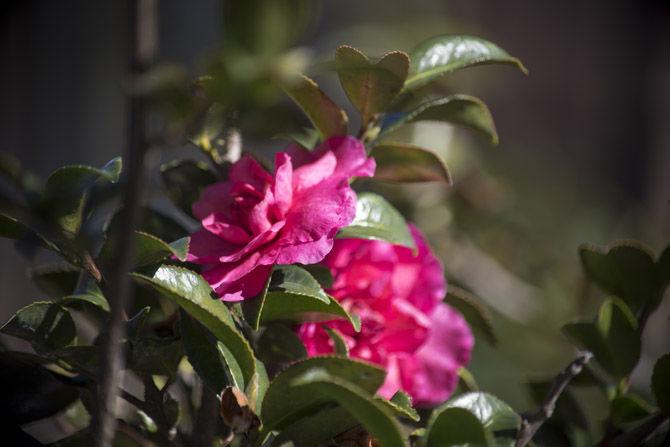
142	50
532	424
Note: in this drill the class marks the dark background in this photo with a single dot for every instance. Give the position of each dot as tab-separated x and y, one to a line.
584	153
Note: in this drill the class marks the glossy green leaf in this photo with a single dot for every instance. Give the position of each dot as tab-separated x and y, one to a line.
613	338
45	324
185	180
493	413
377	219
628	408
283	401
475	313
324	114
234	375
374	416
30	392
287	306
461	110
660	383
625	269
402	162
455	426
67	190
339	345
296	281
192	293
440	55
371	88
201	351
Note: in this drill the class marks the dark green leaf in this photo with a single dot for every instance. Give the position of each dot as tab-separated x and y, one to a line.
660	383
279	344
440	55
462	110
185	180
493	413
202	353
371	87
326	116
287	306
93	299
402	162
374	416
307	138
377	219
613	339
475	313
321	273
156	356
568	409
316	427
401	404
628	408
46	325
296	281
663	269
340	346
149	249
624	269
282	401
192	293
30	391
55	280
455	426
13	229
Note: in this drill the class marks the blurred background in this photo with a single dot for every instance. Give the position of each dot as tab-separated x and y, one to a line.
584	153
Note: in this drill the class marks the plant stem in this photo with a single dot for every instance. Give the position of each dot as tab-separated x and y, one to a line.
142	23
530	425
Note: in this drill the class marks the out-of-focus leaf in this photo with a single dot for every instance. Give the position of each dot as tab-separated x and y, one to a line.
11	228
185	180
625	269
466	381
26	181
326	116
55	280
202	353
192	293
279	344
151	355
316	427
568	410
67	190
377	219
613	338
475	313
401	405
440	55
374	416
493	413
462	110
283	401
149	249
307	138
30	391
45	324
321	273
628	408
371	87
339	345
209	132
660	383
402	162
455	426
93	299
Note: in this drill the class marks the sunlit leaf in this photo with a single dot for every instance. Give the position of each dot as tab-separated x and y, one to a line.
440	55
455	426
493	413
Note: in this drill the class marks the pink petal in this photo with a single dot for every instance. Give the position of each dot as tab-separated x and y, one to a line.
283	188
235	282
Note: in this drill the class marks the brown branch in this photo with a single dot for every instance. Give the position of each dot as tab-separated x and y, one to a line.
142	50
531	424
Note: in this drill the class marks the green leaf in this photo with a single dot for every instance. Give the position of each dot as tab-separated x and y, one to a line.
55	280
201	351
625	269
192	293
185	180
401	405
462	110
149	249
296	281
232	368
628	408
93	299
377	219
338	341
493	413
374	416
455	426
257	387
156	356
475	313
45	324
402	162
283	404
324	114
11	228
371	88
30	391
278	344
287	306
307	138
68	188
440	55
660	383
613	338
316	427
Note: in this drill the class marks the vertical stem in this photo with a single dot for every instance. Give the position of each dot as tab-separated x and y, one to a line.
117	285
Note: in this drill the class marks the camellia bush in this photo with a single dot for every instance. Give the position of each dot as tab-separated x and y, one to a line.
279	303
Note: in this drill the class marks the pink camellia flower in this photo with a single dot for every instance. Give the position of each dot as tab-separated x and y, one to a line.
406	328
255	219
